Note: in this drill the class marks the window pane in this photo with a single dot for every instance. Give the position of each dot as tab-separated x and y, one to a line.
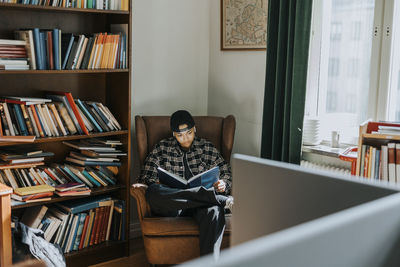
394	79
344	65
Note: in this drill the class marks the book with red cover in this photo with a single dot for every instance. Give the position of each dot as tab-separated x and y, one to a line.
74	109
95	225
99	226
50	50
85	227
105	224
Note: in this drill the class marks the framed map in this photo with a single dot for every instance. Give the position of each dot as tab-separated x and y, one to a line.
244	24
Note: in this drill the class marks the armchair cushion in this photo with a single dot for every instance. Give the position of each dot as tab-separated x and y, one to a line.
173	226
138	192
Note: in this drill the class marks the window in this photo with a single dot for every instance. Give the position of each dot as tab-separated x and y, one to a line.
354	65
333	67
356	30
336	31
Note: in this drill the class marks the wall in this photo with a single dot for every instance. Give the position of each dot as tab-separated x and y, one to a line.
170	56
236	86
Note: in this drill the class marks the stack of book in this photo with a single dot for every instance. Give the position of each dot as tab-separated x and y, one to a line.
58	115
54	50
389	130
78	224
33	193
20	169
72	189
57	174
13	55
91	4
95	152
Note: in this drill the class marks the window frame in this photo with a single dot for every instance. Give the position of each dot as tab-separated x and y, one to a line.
380	64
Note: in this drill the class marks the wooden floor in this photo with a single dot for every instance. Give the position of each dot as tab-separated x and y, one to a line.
136	257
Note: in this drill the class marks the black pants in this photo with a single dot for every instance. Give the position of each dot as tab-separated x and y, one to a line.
203	205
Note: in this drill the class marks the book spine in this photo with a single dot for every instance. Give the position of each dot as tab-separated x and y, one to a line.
33	122
90	117
392	162
68	52
38	51
43	53
5	127
13	118
75	110
56	51
38	123
99	226
91	179
89	230
95	226
27	121
84	231
397	162
20	120
49	46
43	120
79	231
57	118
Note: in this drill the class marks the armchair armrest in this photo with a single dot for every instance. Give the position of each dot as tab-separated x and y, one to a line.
138	192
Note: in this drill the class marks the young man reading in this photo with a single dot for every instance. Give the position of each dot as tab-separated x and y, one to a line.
186	155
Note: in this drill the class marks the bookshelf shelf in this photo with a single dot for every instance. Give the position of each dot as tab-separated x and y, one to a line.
66	138
111	87
62	9
95	191
104	251
381	136
62	71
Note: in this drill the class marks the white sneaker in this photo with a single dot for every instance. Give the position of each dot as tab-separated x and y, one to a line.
229	203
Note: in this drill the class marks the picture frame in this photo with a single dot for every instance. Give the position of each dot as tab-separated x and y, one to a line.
244	24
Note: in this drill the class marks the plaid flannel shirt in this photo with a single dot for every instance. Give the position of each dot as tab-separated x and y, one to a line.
201	156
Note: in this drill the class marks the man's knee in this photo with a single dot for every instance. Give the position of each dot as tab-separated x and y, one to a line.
152	192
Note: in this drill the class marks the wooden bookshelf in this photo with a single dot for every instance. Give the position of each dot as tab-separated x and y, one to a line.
111	87
367	137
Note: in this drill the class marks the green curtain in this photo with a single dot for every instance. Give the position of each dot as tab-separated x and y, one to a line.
288	34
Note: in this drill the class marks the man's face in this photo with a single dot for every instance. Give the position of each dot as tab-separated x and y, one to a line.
186	137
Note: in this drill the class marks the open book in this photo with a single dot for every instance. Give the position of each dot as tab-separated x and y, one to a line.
206	179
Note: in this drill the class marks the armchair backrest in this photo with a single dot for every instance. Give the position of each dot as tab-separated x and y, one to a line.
218	130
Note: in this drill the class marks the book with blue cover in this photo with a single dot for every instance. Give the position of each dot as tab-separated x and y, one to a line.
79	205
206	179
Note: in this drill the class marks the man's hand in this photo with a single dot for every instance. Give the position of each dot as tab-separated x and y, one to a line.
220	186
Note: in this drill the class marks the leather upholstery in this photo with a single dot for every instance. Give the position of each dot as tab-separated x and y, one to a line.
172	240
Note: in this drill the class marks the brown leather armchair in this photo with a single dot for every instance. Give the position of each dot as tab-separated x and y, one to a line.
172	240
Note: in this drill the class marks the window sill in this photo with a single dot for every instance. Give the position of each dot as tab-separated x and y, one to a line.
325	155
324	150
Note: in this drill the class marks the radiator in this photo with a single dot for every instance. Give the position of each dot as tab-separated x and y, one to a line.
312	165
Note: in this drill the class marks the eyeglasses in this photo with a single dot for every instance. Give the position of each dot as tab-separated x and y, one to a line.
184	134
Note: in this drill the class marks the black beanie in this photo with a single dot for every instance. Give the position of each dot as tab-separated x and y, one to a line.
181	117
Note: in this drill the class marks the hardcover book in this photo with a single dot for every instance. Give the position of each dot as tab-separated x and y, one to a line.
36	189
206	179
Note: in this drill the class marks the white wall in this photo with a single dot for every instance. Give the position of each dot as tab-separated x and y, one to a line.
236	86
170	56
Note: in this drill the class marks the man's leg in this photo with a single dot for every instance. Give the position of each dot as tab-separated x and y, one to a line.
211	221
168	201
